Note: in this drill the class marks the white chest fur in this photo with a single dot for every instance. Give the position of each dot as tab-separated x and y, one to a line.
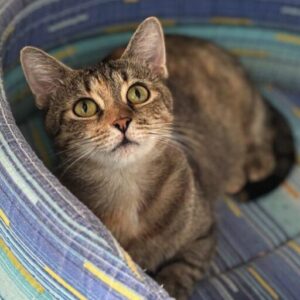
117	199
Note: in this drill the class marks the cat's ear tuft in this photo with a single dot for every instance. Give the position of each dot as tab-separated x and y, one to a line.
147	46
43	73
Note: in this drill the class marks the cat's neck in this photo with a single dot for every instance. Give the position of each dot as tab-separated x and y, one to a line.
121	192
109	187
118	194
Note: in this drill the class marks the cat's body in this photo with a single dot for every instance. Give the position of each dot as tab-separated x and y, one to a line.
200	143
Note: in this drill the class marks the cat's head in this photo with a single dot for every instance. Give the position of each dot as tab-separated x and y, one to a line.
114	112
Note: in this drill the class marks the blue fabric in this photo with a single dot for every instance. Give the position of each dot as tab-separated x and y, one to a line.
51	245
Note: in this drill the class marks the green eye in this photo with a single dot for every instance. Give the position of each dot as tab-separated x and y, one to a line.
137	94
85	108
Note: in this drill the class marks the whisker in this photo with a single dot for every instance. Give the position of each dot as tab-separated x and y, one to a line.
84	155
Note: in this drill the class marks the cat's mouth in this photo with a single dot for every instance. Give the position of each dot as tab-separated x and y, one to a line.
125	143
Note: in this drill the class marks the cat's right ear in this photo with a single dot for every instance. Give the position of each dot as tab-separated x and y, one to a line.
43	73
147	46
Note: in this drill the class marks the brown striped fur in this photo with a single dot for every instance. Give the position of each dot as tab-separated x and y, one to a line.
202	133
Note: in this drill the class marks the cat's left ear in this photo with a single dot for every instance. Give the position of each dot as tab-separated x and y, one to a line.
43	73
147	46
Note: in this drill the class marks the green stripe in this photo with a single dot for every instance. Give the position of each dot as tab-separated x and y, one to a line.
13	284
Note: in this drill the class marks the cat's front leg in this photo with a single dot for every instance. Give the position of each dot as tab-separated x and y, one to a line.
180	276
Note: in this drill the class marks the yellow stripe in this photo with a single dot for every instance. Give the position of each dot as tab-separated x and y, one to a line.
294	246
231	21
296	111
233	207
8	31
130	1
288	38
4	218
17	264
132	26
250	53
291	190
263	283
117	286
65	284
132	265
66	52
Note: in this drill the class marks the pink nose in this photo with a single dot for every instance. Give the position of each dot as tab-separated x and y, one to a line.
122	124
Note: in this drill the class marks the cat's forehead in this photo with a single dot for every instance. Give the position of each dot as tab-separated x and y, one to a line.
117	71
105	83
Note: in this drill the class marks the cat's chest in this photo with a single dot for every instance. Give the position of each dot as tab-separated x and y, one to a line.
119	200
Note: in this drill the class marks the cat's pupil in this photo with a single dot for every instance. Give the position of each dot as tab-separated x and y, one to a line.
84	107
137	93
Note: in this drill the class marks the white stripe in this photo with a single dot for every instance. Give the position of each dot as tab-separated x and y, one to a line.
37	4
14	175
230	283
9	280
219	286
289	10
34	266
5	4
68	22
21	14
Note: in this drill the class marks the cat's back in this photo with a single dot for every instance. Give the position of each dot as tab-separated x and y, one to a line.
206	81
202	69
212	102
199	58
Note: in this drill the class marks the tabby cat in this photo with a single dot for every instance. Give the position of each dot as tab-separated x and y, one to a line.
149	144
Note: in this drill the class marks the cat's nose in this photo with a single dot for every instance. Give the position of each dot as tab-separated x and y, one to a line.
122	124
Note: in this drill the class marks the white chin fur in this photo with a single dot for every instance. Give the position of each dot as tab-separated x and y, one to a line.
125	155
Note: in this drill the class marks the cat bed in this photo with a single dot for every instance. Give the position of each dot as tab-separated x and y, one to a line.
51	245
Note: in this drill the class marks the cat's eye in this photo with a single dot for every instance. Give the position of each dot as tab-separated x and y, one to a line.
137	94
85	108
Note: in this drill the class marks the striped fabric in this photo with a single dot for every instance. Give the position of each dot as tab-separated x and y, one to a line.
52	246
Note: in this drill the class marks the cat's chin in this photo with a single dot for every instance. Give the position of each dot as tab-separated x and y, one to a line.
125	155
128	154
127	151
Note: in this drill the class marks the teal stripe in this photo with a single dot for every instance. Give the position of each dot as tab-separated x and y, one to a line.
221	289
242	38
292	259
14	286
242	273
279	101
33	263
268	224
295	179
224	251
284	210
252	214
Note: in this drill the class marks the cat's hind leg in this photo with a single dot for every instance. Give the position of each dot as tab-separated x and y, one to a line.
260	163
260	157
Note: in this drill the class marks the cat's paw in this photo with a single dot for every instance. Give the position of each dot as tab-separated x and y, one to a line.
173	285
